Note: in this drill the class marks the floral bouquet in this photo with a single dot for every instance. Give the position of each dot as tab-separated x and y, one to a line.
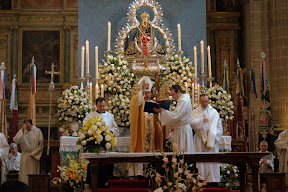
95	137
176	176
178	72
221	101
229	176
71	177
118	79
73	105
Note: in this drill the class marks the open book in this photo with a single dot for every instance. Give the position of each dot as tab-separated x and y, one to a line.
150	105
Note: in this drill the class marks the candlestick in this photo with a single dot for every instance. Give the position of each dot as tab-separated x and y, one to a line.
193	92
82	61
109	36
96	91
179	37
102	90
195	61
87	57
96	61
209	62
198	93
90	92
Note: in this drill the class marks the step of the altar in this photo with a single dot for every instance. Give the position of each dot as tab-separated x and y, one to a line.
137	185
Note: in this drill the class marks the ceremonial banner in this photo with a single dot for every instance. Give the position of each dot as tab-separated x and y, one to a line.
266	129
240	124
32	106
14	108
3	97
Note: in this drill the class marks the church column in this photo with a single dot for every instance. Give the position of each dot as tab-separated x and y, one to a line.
67	54
14	51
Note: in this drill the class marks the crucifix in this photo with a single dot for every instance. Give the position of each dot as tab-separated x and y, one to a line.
51	89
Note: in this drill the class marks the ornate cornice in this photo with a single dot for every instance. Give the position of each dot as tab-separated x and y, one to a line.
8	18
71	19
40	19
223	20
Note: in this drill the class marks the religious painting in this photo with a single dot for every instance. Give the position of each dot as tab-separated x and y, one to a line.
45	47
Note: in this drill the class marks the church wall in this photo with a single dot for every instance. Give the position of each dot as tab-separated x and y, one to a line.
266	30
46	18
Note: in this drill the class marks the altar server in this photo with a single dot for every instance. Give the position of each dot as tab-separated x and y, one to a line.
179	119
31	140
108	118
208	129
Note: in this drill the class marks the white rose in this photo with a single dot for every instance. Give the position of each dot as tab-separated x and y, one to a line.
98	124
94	127
82	136
70	119
61	129
80	147
107	138
90	132
228	172
108	145
99	138
98	132
84	142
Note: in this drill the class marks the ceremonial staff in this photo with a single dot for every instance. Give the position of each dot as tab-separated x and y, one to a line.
51	89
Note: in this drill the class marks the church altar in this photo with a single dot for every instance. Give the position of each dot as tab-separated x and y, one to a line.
240	159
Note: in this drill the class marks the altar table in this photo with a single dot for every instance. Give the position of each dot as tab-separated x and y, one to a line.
240	159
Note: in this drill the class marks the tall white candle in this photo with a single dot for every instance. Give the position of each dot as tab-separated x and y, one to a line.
202	56
82	61
96	61
102	90
195	61
186	87
91	92
87	57
209	62
109	37
96	91
179	37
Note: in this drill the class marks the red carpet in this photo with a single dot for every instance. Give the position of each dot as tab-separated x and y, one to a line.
127	185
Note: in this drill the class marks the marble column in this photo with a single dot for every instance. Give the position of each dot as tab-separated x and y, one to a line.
14	53
67	54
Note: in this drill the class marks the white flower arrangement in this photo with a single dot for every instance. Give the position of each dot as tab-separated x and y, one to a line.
229	176
221	101
178	72
95	136
118	79
119	105
73	105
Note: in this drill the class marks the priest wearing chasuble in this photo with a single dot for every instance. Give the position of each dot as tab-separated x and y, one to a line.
208	129
146	132
179	119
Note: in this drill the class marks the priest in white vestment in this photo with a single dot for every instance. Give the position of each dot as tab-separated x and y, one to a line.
266	163
208	129
179	119
4	150
281	145
146	132
31	140
107	117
